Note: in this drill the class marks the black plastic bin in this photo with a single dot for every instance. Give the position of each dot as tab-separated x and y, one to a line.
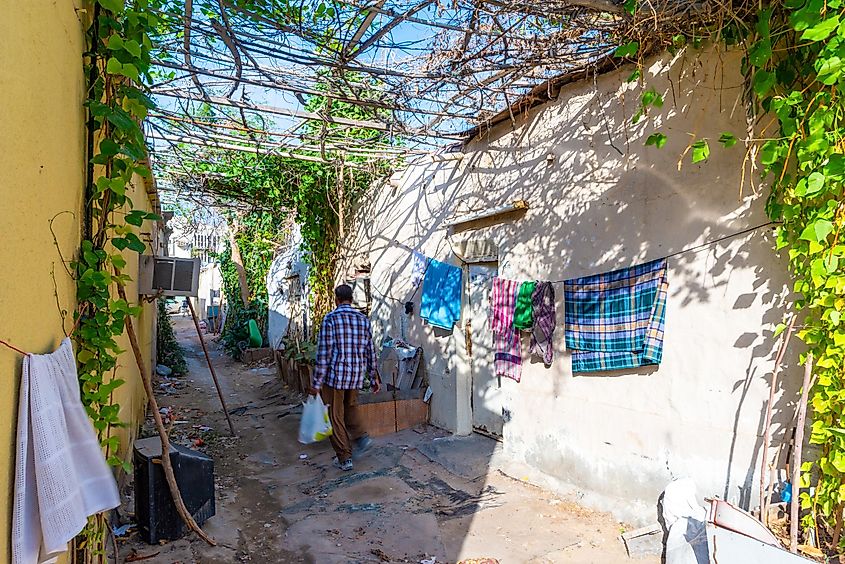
155	511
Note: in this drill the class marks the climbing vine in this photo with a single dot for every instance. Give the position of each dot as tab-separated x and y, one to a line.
168	350
118	55
318	195
795	67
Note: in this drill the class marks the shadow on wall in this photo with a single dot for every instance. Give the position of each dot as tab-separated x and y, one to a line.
601	200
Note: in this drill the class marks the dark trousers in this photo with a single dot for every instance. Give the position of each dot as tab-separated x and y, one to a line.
346	422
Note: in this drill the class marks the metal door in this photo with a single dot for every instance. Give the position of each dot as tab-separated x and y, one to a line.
487	397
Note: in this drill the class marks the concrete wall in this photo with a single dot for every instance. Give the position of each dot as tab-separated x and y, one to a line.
600	200
42	168
211	279
287	290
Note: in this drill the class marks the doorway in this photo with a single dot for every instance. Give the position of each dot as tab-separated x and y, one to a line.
487	395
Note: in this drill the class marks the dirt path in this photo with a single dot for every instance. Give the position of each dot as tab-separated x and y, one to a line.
278	501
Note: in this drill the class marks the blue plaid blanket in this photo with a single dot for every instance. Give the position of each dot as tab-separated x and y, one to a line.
616	320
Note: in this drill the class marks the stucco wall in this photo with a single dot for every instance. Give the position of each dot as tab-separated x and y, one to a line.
600	200
287	290
42	167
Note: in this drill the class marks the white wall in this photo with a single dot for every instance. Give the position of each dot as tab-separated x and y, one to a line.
603	202
287	289
211	278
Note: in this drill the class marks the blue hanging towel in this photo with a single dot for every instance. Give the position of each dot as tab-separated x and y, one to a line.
440	304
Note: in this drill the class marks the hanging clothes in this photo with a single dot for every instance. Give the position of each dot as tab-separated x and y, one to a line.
502	304
61	476
523	317
545	322
418	264
506	341
440	304
616	320
507	358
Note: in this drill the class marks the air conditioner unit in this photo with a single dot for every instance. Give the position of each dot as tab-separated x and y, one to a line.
169	276
475	250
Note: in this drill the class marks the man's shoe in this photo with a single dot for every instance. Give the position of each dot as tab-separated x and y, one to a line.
362	445
346	465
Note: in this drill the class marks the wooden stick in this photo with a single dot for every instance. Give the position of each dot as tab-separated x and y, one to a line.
796	458
837	529
162	433
211	368
395	407
767	429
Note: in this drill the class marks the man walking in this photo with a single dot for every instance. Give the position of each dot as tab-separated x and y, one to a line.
345	355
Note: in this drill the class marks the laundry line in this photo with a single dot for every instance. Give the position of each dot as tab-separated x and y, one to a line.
698	247
692	249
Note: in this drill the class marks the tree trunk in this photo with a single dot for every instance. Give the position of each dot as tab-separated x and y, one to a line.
239	264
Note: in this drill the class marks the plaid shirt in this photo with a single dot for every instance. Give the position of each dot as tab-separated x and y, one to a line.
345	351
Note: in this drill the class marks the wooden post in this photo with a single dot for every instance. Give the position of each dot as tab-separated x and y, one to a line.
146	379
796	458
211	368
767	429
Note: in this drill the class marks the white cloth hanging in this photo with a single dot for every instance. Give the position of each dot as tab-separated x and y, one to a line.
61	475
419	262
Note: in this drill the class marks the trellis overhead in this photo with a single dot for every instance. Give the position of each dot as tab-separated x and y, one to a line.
265	75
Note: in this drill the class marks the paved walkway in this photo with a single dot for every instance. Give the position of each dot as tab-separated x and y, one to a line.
418	495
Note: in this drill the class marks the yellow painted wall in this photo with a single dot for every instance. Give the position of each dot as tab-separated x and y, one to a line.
42	168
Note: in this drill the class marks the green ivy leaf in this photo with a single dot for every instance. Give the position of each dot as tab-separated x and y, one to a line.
122	121
656	139
815	183
628	50
113	66
109	148
835	165
829	70
821	30
117	186
807	16
133	151
630	6
760	53
90	258
112	5
817	231
132	47
769	153
136	244
727	139
131	71
763	82
700	151
135	217
634	76
115	43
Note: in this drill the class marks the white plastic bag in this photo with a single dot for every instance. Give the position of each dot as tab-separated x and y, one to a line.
685	519
314	425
